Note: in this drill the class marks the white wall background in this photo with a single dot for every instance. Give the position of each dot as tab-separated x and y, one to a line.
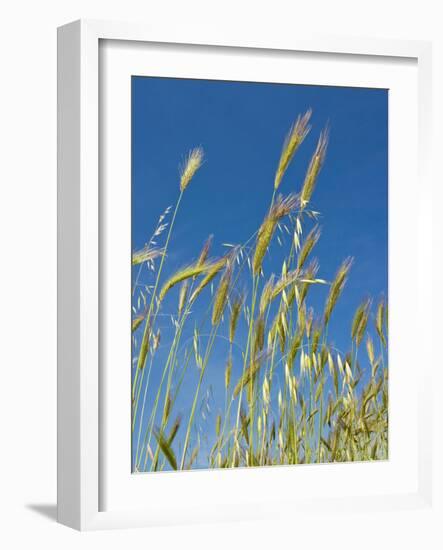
28	263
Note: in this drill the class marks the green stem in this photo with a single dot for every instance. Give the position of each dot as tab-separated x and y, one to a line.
154	292
142	411
194	404
245	361
320	422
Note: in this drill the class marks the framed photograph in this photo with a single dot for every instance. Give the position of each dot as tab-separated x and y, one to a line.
236	219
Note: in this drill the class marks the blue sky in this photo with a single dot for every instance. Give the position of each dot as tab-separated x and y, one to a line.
241	127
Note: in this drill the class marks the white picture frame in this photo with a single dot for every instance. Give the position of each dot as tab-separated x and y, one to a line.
82	402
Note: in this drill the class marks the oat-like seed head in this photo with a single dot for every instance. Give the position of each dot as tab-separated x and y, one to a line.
147	254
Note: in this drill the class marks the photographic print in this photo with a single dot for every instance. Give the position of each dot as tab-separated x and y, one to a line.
259	288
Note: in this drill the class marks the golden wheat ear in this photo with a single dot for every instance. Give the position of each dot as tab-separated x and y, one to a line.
310	241
137	321
337	287
228	372
379	320
314	168
183	274
210	276
360	321
279	209
294	138
236	307
205	250
221	296
193	162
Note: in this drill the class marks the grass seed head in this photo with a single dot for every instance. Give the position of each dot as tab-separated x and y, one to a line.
183	274
314	168
337	288
137	321
237	304
228	372
144	347
266	391
147	254
250	373
192	163
266	294
205	250
259	335
280	208
379	321
182	296
310	241
214	270
221	296
282	284
156	340
363	322
293	140
370	350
